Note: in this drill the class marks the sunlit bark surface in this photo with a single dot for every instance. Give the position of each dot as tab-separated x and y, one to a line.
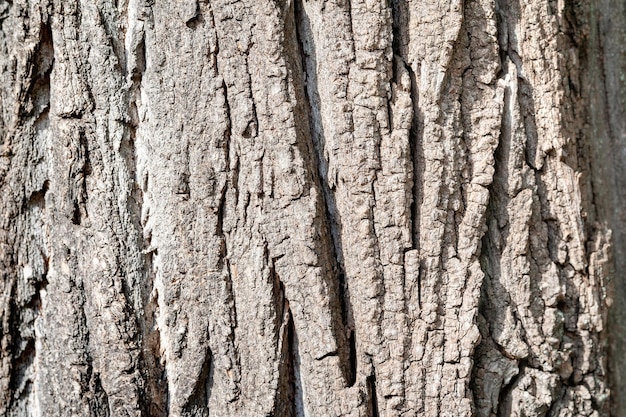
312	208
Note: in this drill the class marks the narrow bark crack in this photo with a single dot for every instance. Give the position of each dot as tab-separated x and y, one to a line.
284	401
415	136
372	396
198	402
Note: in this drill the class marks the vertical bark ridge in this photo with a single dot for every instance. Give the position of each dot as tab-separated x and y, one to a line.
154	391
186	175
25	101
344	327
543	325
284	401
94	127
455	217
291	177
603	89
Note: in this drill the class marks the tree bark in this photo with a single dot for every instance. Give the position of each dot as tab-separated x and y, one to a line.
312	208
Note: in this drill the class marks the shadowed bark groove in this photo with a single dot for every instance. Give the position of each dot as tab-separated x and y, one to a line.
285	401
372	397
311	208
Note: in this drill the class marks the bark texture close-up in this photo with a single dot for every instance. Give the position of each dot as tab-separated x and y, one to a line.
298	208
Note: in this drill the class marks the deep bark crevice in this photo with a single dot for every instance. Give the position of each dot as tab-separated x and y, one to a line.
38	93
416	131
416	134
490	256
228	133
372	396
155	395
298	402
252	127
98	398
79	171
22	354
219	227
38	198
154	392
155	398
280	301
284	401
231	297
527	109
504	400
91	388
23	266
198	402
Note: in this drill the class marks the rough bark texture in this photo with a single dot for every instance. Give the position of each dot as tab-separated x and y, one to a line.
312	208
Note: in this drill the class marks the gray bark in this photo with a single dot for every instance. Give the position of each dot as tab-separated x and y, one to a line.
312	208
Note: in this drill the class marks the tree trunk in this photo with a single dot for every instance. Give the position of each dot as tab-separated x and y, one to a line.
312	208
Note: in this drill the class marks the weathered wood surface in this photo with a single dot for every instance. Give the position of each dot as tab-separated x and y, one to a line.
311	208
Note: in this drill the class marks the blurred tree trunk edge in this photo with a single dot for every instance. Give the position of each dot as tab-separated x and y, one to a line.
311	208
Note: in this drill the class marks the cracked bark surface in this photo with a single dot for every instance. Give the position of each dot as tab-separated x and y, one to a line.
312	208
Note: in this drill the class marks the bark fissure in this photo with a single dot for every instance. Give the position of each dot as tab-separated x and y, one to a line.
416	128
284	401
372	396
154	397
504	400
198	402
99	400
23	260
90	386
21	357
41	69
298	403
